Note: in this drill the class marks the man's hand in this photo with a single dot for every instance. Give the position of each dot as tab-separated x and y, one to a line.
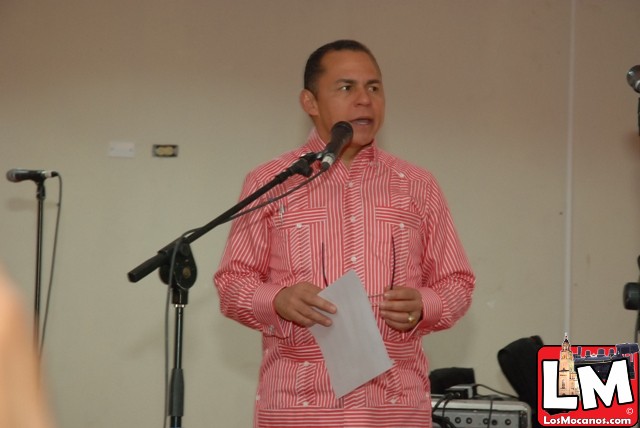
401	308
298	303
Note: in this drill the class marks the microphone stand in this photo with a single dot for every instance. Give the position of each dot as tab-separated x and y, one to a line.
178	270
40	196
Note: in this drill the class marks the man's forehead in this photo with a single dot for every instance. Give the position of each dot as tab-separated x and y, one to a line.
351	70
349	60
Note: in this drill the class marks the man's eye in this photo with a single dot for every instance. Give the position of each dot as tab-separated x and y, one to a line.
345	88
374	88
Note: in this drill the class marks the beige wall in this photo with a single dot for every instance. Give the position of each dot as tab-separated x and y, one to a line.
520	108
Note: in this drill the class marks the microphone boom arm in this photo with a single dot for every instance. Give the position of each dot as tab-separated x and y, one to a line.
163	257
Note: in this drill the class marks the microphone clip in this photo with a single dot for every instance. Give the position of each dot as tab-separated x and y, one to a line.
303	165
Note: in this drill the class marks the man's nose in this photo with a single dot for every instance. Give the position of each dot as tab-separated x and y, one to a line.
363	96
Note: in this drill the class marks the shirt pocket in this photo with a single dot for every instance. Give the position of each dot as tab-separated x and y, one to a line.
296	245
399	244
405	383
297	378
398	249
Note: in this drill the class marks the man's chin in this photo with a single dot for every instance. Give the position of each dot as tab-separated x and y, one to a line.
361	142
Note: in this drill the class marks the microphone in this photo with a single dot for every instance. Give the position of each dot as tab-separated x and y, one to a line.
17	175
633	77
341	134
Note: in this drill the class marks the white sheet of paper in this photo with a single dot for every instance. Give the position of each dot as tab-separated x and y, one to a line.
352	346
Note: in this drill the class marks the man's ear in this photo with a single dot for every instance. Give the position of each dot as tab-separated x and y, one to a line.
308	102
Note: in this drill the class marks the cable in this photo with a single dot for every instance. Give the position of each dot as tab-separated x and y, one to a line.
492	398
443	421
490	412
166	357
53	263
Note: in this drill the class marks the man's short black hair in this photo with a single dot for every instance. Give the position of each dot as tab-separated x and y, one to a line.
314	69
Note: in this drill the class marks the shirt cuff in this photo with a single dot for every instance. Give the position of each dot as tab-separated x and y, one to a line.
431	308
265	313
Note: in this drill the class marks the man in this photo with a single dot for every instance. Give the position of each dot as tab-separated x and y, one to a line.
372	213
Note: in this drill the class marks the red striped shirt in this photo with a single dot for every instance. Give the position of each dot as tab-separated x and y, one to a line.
385	219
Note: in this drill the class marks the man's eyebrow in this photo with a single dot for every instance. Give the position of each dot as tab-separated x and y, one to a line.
347	81
353	81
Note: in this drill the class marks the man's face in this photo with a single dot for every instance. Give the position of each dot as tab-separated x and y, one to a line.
350	89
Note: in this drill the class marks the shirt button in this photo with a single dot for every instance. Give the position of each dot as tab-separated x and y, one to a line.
354	259
353	219
299	225
349	183
401	225
401	175
306	364
305	404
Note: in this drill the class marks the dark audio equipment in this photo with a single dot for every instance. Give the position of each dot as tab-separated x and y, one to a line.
475	413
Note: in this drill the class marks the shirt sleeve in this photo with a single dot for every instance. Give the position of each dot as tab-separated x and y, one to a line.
448	281
242	282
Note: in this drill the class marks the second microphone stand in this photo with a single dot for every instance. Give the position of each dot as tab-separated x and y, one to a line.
40	196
